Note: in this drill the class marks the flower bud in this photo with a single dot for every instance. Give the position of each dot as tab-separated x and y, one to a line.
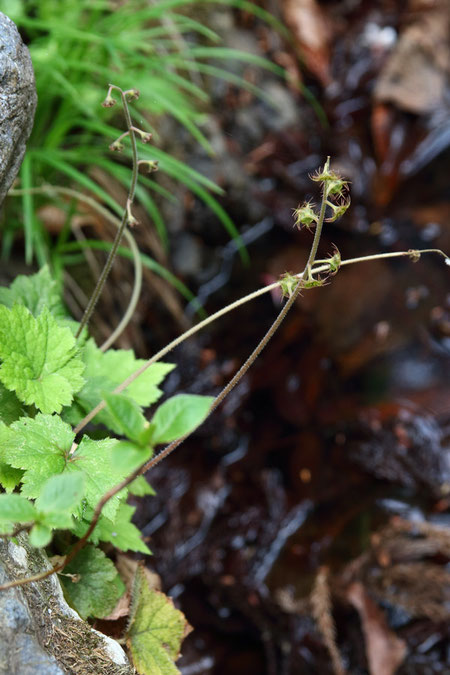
305	216
288	282
117	146
109	101
132	94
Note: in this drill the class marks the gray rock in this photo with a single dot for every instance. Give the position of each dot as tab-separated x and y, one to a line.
17	102
39	632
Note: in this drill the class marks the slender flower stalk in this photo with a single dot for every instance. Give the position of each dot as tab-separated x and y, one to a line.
127	217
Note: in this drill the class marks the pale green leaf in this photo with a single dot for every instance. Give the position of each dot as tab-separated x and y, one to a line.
127	456
97	586
121	533
179	416
61	493
56	520
42	448
35	292
156	630
93	458
40	535
16	509
140	487
39	446
40	361
127	415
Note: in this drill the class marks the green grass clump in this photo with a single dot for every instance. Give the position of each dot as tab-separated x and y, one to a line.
79	45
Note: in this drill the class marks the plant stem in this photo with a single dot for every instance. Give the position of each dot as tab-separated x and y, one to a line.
234	305
125	217
318	229
170	448
51	190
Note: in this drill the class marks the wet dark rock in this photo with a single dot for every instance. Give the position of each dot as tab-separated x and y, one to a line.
17	102
410	451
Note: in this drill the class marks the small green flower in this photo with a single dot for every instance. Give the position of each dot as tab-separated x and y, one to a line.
313	283
338	209
288	282
333	183
334	261
305	216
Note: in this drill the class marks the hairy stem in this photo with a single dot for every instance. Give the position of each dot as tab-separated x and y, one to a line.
234	305
414	254
125	217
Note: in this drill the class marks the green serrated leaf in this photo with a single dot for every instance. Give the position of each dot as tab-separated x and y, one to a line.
9	477
121	533
40	535
140	487
127	415
42	448
35	292
156	630
61	493
16	509
39	446
179	416
104	372
10	406
99	586
40	361
94	459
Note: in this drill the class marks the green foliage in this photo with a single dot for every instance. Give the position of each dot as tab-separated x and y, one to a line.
53	480
156	630
95	586
78	45
35	293
178	416
40	361
104	371
121	532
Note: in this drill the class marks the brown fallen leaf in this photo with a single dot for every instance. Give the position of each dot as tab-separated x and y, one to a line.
312	33
416	74
385	651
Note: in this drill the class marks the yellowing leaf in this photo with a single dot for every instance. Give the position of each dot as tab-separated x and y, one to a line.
156	630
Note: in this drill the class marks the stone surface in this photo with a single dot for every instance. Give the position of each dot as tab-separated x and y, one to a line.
17	102
39	632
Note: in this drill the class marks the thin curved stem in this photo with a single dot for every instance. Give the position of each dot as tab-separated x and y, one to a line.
234	305
137	262
414	254
126	217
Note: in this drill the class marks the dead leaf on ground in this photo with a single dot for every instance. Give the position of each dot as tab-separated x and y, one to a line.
385	651
415	76
312	32
127	569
